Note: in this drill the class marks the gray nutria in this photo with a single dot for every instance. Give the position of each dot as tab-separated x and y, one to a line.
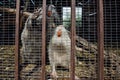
31	36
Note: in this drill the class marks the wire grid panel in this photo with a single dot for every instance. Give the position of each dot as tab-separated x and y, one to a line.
86	29
112	39
59	43
7	41
31	40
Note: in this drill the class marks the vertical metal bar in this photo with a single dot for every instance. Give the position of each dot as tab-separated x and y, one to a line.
43	39
73	32
17	40
100	27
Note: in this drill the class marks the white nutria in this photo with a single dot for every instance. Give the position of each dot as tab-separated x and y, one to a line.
60	49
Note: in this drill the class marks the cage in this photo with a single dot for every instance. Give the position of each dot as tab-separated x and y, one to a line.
59	40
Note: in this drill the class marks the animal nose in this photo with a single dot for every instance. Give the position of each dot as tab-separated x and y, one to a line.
59	33
49	13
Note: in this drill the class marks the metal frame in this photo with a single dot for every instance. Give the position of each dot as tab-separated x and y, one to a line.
73	32
100	28
43	40
17	40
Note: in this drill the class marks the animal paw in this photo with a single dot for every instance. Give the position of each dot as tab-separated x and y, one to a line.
54	74
77	78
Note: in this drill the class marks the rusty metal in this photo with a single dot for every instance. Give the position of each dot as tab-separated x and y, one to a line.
73	25
43	40
100	26
17	40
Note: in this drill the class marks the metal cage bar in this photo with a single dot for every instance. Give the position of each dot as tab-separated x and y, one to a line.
43	40
100	28
73	25
17	40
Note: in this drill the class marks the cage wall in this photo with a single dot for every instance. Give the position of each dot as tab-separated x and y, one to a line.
31	40
112	39
7	41
58	40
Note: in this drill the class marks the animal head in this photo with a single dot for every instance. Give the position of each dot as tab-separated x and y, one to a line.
60	31
51	10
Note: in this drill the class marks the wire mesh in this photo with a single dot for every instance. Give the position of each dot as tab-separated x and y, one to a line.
58	51
112	39
31	40
7	36
86	30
